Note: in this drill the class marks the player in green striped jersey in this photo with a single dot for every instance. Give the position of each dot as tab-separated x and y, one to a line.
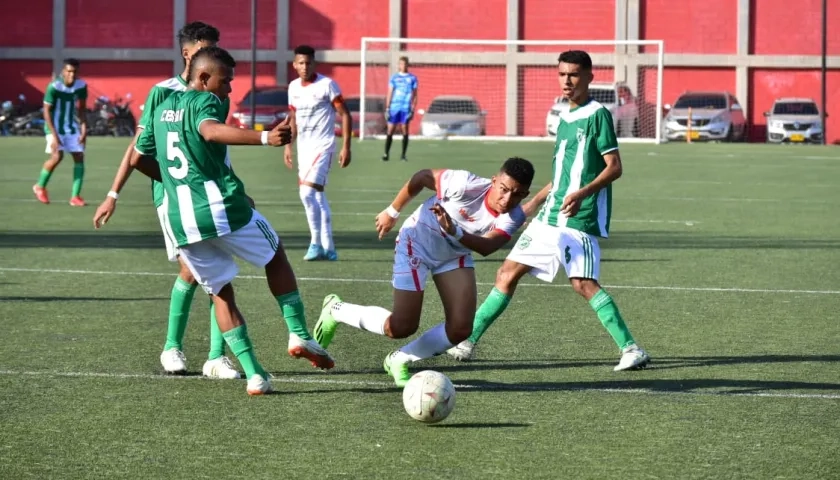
209	216
65	129
192	37
576	210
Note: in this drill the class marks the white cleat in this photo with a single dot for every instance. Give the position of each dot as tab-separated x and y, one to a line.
173	361
632	358
257	385
220	367
310	350
462	352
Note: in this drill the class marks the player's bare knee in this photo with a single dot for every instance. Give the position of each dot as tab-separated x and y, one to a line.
401	326
507	276
585	287
459	331
186	275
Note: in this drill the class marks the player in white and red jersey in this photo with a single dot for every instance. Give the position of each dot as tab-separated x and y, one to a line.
313	102
468	214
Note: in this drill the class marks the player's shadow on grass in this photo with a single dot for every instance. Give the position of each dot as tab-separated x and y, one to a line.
692	385
666	363
702	241
481	425
22	298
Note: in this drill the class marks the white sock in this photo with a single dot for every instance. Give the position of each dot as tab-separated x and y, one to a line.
432	342
326	221
313	213
369	318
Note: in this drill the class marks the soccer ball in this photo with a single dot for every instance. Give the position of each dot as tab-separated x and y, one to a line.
429	396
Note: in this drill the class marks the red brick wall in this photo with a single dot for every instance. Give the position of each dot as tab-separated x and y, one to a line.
567	20
97	23
708	26
455	19
779	28
330	24
27	24
233	19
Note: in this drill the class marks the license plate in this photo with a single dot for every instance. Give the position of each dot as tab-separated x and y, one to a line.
695	135
797	138
259	127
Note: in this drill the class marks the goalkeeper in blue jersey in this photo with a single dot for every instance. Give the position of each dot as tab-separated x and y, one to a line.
401	102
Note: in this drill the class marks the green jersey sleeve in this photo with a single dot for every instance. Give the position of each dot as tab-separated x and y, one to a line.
49	95
206	106
153	99
82	93
605	131
146	142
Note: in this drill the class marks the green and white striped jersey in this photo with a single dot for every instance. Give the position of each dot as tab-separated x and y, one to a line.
584	136
203	197
62	99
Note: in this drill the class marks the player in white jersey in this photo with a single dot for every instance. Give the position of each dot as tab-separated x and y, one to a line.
314	99
468	214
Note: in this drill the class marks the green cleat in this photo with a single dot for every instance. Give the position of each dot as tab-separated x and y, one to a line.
324	330
397	370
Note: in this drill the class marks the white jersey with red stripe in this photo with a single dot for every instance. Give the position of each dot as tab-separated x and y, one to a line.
312	103
464	197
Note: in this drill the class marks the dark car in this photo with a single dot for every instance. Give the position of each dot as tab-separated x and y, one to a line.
375	122
272	107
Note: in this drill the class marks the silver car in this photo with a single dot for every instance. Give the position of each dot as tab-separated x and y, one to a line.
616	97
453	115
714	116
794	120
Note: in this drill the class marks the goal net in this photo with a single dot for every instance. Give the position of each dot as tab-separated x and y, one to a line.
507	89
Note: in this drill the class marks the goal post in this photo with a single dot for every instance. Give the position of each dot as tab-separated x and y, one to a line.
508	89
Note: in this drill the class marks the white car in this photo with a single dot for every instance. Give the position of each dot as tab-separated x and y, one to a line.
795	120
616	97
453	115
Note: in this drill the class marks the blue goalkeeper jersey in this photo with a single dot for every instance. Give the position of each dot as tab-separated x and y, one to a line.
403	86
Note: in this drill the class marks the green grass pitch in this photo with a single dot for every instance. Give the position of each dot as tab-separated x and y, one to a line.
723	259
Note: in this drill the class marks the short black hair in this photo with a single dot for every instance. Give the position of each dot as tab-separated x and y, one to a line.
519	169
576	57
305	50
194	32
73	62
213	53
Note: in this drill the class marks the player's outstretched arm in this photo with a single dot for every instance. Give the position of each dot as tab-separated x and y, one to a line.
217	132
386	220
124	170
482	245
531	206
135	160
147	165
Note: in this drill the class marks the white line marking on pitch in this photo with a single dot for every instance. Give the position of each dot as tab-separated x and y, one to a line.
382	280
373	383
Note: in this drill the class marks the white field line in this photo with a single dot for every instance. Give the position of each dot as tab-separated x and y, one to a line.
378	384
382	280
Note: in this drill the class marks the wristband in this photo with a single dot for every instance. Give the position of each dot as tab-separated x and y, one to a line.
392	212
264	137
113	194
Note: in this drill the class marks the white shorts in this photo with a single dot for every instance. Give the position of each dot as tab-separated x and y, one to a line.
69	143
544	248
171	249
412	265
212	261
313	167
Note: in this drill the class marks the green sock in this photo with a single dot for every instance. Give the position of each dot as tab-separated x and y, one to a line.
217	340
78	176
292	307
179	312
609	316
44	178
488	312
240	344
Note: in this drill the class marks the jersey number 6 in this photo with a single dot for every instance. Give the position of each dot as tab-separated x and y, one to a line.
176	155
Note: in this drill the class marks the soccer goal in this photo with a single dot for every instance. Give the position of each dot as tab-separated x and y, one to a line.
508	89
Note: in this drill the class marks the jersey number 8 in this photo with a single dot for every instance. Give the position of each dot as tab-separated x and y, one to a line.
176	155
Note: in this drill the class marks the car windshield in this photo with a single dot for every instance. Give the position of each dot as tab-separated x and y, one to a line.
711	102
376	105
454	106
268	97
796	108
601	95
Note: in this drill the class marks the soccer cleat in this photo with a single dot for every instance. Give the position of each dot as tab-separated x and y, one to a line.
462	352
220	367
632	358
384	157
77	201
257	385
314	253
331	255
397	370
325	326
41	194
310	350
173	361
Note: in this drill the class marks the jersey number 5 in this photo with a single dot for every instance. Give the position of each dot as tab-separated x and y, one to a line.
174	154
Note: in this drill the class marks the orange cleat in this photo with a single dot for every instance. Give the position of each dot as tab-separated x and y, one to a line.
41	194
77	201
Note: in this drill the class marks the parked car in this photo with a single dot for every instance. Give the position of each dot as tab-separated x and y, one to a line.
272	107
453	115
795	120
375	121
714	116
615	97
